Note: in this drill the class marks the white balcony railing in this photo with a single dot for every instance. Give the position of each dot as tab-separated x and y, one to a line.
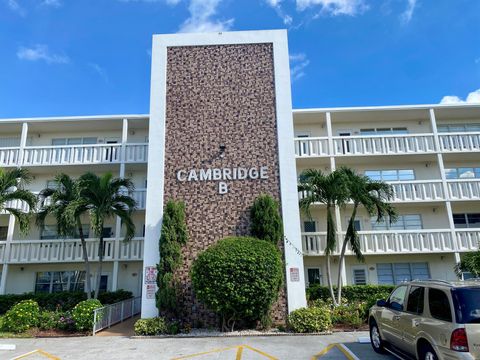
384	145
459	142
136	153
66	250
140	196
468	239
9	156
464	189
73	154
311	147
388	242
411	191
417	190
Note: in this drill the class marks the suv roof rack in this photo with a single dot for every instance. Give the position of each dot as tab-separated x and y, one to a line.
446	282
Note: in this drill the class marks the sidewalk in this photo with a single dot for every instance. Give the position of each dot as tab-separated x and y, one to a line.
122	329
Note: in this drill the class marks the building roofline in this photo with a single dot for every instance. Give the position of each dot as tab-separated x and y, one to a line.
389	107
75	118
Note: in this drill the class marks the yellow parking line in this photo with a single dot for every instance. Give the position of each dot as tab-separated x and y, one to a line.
345	351
260	352
205	353
38	351
239	353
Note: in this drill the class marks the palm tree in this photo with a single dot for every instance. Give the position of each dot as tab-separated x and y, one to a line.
105	197
55	202
12	184
374	197
331	190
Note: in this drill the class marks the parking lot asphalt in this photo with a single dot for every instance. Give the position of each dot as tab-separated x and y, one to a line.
324	347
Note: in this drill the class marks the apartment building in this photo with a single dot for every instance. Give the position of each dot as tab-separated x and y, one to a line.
430	155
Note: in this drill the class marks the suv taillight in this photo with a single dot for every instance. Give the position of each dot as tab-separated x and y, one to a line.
458	341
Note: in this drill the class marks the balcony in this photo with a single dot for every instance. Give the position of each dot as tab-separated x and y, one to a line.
74	155
52	251
459	142
311	147
464	189
398	242
417	190
411	191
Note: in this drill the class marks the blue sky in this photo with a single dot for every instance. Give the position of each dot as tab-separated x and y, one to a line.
85	57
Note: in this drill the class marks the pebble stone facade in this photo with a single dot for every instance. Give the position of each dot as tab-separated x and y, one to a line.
219	96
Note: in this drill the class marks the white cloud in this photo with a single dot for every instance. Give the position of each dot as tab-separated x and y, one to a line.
52	3
276	5
200	20
99	70
15	7
472	98
41	52
334	7
406	16
298	63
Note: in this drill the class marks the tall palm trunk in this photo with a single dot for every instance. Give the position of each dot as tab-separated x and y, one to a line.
100	263
331	234
88	289
341	260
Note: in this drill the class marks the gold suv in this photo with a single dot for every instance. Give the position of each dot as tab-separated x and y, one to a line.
428	320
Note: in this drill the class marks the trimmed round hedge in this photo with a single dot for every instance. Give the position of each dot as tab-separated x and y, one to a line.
238	278
310	320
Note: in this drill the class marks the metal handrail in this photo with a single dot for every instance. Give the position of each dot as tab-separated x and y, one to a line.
108	315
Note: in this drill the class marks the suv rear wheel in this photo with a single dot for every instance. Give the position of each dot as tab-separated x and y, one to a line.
375	338
427	353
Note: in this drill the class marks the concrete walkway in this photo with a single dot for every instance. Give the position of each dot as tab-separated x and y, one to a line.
122	329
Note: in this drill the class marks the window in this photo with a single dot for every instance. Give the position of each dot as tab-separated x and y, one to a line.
458	128
3	233
52	184
463	173
309	226
391	274
107	232
314	276
439	305
74	141
415	299
384	131
404	222
57	281
466	220
359	277
397	298
391	175
49	232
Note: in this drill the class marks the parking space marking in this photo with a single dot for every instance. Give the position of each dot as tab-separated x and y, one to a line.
343	349
38	351
239	353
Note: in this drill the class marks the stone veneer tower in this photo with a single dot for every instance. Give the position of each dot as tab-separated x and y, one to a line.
221	133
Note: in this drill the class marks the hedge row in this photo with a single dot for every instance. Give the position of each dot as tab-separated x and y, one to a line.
351	293
64	301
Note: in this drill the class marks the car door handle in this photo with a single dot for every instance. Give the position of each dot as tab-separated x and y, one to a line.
416	323
397	317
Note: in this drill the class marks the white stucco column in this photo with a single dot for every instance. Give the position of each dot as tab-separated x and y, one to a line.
6	257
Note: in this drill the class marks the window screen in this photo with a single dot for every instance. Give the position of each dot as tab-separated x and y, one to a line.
359	277
391	274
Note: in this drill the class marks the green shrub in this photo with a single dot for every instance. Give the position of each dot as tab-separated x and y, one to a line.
266	223
60	320
173	236
310	320
112	297
64	301
83	314
352	293
22	316
150	327
238	278
349	315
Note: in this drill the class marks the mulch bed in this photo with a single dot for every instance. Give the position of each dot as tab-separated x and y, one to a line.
55	333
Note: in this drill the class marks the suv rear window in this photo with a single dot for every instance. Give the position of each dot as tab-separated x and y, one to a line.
467	305
439	305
